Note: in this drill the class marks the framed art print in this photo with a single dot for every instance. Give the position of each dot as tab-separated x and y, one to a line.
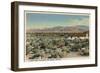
52	36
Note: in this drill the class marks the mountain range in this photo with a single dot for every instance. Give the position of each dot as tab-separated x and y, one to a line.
61	29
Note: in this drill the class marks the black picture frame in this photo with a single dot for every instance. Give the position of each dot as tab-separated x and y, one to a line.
15	39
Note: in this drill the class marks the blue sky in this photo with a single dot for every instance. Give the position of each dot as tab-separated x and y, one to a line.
41	20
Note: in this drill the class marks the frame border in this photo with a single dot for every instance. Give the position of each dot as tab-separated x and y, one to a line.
15	38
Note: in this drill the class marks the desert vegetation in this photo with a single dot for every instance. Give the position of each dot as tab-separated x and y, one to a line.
56	46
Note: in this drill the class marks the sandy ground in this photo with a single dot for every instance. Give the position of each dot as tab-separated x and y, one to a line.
69	55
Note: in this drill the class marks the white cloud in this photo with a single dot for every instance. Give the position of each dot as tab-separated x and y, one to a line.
83	21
